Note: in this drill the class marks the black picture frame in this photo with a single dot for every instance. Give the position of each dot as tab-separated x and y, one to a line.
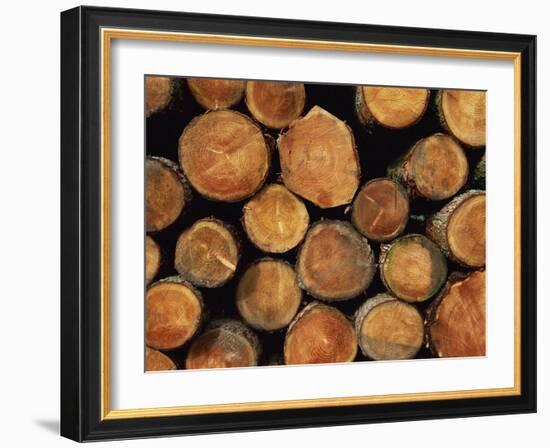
81	224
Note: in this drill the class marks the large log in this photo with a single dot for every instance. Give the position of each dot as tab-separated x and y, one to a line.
412	267
320	334
462	113
153	259
159	92
392	107
166	193
268	295
224	155
459	229
435	168
216	94
335	262
275	220
455	321
380	210
275	104
173	313
319	160
207	253
157	361
226	343
388	328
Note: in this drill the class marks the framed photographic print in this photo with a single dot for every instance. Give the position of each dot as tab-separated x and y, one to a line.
273	224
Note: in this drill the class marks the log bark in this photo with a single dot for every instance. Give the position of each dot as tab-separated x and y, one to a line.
320	334
335	262
226	343
216	94
412	268
462	113
319	161
224	155
207	253
459	229
381	209
157	361
391	107
455	321
167	193
388	328
153	259
268	295
478	177
275	104
159	92
275	220
435	168
173	313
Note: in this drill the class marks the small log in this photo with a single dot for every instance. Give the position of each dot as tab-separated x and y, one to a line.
478	177
381	209
275	220
455	321
224	155
320	334
166	193
412	267
173	313
159	92
435	168
459	229
392	107
319	160
157	361
226	343
216	94
388	328
275	104
207	253
335	262
268	295
462	113
153	259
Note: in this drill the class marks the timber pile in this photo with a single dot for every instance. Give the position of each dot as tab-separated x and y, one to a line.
291	223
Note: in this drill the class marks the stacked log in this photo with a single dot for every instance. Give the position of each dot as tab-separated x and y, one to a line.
157	361
153	259
159	92
216	94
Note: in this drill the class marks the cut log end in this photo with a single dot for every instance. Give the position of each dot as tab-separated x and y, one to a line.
207	253
159	91
463	114
227	343
381	210
268	295
335	262
157	361
394	107
152	259
224	155
275	220
173	313
388	328
413	268
456	319
275	104
320	334
319	160
166	193
216	94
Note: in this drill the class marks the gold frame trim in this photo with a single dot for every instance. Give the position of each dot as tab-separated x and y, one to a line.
107	35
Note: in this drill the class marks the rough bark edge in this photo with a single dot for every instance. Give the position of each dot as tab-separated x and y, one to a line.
242	330
194	94
258	261
250	233
269	145
385	249
372	263
233	232
406	196
363	311
437	224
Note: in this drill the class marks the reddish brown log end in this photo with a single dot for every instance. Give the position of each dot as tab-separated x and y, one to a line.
152	259
157	361
463	113
215	94
158	93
